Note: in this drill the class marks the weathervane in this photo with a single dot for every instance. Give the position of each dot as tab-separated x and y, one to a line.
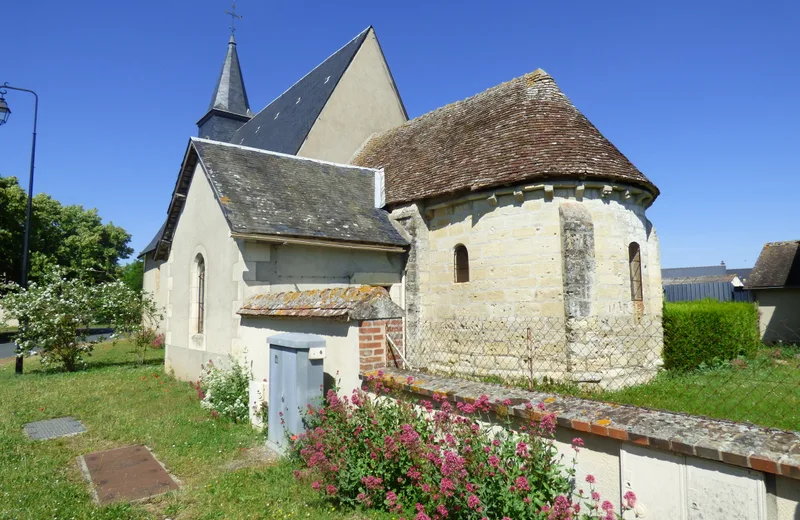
233	16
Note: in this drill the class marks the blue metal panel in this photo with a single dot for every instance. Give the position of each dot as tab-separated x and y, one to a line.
721	291
295	382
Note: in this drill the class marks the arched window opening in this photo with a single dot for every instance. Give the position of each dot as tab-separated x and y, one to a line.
461	264
635	263
201	293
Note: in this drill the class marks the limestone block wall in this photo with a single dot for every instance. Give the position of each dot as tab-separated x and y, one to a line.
544	297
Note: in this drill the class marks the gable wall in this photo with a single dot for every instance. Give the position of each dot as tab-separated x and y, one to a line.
363	103
201	229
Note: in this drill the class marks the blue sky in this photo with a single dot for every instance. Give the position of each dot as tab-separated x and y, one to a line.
701	96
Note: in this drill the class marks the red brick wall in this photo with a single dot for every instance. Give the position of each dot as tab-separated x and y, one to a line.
373	348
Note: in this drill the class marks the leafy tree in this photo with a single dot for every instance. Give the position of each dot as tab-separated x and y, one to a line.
71	237
132	275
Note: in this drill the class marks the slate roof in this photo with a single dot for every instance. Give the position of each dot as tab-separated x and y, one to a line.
778	265
230	94
154	242
699	279
268	193
284	124
684	272
354	303
522	130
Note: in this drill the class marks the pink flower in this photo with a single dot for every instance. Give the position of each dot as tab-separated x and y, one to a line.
473	501
577	442
595	496
391	498
590	479
316	485
607	506
630	499
522	449
331	490
441	510
522	483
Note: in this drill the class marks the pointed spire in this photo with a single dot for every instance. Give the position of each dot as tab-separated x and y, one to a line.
230	94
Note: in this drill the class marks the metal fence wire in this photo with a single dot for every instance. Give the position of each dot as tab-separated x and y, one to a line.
615	359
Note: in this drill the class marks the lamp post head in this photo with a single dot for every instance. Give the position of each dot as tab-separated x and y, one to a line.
4	110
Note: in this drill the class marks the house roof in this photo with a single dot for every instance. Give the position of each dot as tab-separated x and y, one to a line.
686	272
778	265
522	130
271	194
349	303
284	124
730	278
268	193
154	242
230	94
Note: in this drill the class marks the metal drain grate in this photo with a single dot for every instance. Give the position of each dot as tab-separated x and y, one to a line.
53	428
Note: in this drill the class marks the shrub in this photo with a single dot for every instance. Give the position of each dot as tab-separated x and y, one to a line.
225	392
707	332
434	461
52	313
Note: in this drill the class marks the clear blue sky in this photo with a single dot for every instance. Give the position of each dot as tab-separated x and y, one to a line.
704	97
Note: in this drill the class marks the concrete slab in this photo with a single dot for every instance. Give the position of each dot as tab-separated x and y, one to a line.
53	428
126	474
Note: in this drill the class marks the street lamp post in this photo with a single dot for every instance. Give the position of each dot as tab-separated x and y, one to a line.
5	112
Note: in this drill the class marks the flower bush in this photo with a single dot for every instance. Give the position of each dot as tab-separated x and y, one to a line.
52	315
225	391
433	461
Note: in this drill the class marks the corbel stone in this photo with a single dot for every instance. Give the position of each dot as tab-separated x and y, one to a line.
626	195
492	200
548	192
579	191
519	196
607	190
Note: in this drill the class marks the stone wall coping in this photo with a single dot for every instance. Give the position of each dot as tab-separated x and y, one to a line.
745	445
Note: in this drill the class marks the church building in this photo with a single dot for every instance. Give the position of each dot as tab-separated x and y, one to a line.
330	212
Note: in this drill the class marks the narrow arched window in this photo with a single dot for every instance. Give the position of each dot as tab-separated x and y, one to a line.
635	263
201	293
461	264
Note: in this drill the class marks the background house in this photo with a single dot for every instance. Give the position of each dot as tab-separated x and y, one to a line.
775	283
682	284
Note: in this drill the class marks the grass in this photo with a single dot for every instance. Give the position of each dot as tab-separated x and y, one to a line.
764	390
122	403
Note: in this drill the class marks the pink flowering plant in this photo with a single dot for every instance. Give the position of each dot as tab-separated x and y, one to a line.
432	460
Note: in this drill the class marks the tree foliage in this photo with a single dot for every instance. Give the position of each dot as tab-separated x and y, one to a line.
71	237
132	275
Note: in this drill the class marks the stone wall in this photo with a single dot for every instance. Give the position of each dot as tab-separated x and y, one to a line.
549	291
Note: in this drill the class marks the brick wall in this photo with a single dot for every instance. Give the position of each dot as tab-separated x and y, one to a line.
373	348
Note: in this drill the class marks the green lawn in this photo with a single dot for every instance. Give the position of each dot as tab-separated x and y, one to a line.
121	404
763	390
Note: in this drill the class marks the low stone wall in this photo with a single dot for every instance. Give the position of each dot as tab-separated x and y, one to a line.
674	462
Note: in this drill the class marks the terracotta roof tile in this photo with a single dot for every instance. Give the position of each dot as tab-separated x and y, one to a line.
355	303
522	130
778	265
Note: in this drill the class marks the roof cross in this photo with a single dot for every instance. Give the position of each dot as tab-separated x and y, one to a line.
233	16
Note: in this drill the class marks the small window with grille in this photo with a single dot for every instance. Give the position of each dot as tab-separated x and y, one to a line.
635	262
461	264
